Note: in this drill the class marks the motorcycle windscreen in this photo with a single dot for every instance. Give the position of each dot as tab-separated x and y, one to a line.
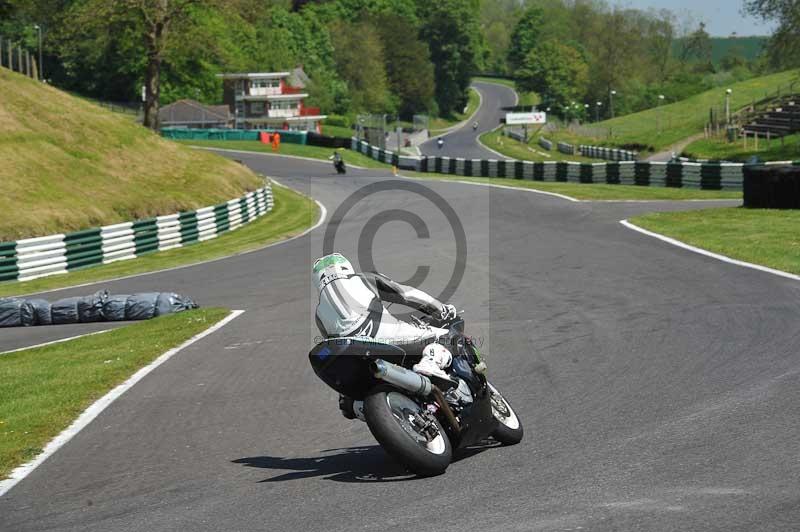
343	363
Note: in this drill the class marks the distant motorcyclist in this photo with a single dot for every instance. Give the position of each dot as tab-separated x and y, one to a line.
440	142
474	126
338	162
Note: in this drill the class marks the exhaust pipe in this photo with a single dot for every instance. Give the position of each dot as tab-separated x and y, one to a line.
416	384
402	378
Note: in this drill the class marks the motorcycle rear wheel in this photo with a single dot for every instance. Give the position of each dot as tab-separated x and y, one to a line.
395	420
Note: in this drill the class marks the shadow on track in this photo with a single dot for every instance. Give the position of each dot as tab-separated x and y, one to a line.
352	464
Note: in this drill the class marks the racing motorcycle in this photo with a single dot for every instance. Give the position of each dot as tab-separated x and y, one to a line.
339	166
418	420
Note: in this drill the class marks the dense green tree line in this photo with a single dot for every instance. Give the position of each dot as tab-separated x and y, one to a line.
576	52
388	56
380	56
784	46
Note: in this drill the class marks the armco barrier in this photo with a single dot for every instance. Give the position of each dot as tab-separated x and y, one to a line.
709	175
49	255
546	144
609	154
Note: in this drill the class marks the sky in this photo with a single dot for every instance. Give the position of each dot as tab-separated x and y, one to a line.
722	17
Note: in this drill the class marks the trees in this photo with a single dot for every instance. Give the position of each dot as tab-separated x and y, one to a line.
359	56
696	46
139	26
450	27
524	37
556	71
784	45
408	64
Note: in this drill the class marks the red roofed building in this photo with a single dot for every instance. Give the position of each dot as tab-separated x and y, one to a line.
270	100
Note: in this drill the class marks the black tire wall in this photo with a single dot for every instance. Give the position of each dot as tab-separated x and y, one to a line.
772	187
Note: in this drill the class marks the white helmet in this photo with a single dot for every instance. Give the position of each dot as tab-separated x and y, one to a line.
329	268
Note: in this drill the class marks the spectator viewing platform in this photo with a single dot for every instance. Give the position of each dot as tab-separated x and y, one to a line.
270	100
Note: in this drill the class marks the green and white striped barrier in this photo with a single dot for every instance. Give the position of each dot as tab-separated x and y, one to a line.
707	175
31	258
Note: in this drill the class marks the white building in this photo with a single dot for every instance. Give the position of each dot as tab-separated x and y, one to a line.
270	100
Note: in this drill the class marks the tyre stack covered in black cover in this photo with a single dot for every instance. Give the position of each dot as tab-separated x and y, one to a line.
100	306
315	139
772	187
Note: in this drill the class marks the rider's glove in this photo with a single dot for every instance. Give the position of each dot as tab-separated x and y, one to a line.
448	312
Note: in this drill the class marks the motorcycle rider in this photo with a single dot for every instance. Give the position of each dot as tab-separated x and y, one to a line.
337	160
440	142
351	305
474	126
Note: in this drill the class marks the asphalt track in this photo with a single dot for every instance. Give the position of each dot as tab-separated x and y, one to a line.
659	388
463	142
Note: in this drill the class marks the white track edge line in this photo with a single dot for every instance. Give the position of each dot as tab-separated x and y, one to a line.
60	340
323	215
717	256
101	404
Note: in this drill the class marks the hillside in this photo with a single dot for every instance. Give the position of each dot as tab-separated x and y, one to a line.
67	164
680	120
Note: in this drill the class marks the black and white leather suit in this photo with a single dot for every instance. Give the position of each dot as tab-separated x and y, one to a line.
353	305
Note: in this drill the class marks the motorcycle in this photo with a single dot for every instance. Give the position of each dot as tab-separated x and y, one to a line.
440	143
474	126
338	164
418	420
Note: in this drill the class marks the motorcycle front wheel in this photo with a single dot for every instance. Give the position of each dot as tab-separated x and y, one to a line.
407	432
509	430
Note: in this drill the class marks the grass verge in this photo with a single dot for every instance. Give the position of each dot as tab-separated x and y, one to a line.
591	191
292	214
664	126
338	131
67	164
296	150
438	126
528	152
761	236
775	150
43	390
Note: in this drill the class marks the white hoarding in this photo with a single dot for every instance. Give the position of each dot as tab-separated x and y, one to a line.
526	118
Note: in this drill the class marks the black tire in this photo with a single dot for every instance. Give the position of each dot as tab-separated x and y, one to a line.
509	431
398	443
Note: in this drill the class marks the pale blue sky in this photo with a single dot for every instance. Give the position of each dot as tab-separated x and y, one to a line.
721	16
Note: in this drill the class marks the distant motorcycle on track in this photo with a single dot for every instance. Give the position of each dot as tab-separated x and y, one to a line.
338	163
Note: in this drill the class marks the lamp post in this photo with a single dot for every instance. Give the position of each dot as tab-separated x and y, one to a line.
660	99
611	95
597	111
728	106
41	67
